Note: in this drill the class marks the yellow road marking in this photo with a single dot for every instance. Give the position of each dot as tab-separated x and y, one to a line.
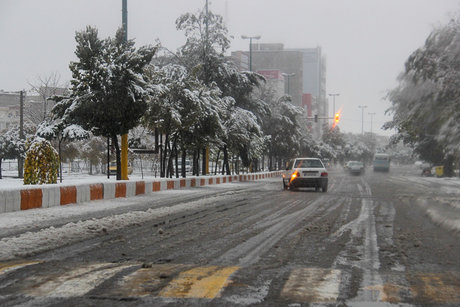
436	287
388	292
202	282
11	266
147	281
313	285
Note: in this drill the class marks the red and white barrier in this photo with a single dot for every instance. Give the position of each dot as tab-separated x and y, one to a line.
46	196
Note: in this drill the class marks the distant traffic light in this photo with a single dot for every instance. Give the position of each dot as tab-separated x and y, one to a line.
336	118
316	118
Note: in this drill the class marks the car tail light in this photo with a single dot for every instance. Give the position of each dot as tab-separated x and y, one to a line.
324	174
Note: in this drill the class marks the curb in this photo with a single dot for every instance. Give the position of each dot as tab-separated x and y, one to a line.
47	196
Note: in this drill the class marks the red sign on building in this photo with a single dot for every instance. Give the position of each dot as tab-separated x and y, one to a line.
271	74
307	102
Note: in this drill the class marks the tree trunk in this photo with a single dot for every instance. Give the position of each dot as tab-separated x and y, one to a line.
270	162
60	160
1	167
203	164
194	164
117	154
183	158
165	154
217	162
176	158
227	166
170	169
161	155
198	162
449	166
157	146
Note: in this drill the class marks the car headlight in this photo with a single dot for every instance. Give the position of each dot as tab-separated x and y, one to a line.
294	175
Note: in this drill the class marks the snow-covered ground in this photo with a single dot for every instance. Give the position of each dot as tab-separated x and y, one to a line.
443	204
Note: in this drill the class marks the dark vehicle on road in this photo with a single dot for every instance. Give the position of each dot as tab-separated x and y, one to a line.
305	173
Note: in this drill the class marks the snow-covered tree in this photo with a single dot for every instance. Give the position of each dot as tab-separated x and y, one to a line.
11	145
282	128
204	55
426	104
109	89
94	151
61	131
41	164
357	148
184	110
335	140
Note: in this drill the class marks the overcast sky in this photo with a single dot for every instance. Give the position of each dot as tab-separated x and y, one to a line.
366	42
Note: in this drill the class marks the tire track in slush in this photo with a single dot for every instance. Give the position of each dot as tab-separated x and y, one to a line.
362	228
277	227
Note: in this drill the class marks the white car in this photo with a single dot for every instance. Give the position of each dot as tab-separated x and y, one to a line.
305	173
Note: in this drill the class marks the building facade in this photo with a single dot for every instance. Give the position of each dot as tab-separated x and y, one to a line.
303	73
36	108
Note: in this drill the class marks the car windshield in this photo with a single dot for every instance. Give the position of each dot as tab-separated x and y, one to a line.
308	163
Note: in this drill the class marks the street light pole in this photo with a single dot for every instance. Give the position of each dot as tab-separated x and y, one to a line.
372	117
250	47
288	77
124	137
362	118
333	104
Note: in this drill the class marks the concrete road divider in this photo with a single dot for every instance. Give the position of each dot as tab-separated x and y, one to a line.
46	196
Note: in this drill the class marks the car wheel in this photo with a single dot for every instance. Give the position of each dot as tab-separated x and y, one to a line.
324	188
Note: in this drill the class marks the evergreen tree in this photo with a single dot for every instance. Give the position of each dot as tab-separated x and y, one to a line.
204	56
109	90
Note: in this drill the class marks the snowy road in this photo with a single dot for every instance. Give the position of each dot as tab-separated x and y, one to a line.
372	239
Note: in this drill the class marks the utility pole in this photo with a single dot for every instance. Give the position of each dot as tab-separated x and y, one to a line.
250	47
205	164
372	117
124	137
21	133
362	118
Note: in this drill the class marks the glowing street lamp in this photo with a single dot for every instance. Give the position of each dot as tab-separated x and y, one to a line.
333	99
